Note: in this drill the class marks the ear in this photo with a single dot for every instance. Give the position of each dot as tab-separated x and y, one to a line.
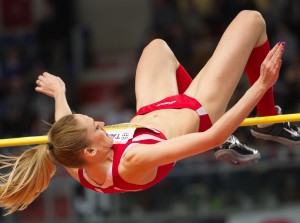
89	152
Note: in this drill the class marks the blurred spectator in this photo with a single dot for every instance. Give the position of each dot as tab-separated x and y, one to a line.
53	35
284	34
92	206
17	116
119	112
192	29
164	14
13	64
178	39
291	81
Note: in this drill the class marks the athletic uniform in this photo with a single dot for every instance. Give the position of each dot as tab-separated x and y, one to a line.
177	102
127	135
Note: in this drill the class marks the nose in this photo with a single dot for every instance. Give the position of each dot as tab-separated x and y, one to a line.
101	124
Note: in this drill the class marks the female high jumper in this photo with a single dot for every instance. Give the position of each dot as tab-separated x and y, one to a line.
175	119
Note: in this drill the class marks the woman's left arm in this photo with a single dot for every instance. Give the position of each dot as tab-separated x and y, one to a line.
143	157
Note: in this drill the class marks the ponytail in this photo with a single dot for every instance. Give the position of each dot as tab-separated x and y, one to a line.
24	177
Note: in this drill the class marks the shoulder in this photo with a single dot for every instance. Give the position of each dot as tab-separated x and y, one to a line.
132	168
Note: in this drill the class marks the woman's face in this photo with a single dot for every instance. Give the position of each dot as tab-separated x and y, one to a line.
95	132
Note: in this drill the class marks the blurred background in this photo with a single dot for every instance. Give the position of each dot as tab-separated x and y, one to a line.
94	46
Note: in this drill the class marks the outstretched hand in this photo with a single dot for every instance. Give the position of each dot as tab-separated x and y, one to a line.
270	67
50	85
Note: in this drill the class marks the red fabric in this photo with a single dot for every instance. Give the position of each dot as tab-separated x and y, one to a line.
183	79
266	106
178	102
162	171
120	185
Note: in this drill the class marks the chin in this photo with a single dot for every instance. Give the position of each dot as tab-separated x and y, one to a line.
111	140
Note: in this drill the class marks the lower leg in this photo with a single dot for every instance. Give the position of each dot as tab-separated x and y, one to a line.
266	106
183	79
217	81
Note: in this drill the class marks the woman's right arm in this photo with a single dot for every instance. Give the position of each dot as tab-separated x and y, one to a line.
53	86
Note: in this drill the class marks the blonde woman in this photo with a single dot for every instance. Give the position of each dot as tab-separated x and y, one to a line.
175	120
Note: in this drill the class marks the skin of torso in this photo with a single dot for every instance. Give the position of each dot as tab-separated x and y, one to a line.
171	122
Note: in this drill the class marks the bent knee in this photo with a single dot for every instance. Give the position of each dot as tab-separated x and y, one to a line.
157	44
253	17
158	48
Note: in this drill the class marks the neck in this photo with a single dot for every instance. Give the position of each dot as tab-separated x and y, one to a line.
97	170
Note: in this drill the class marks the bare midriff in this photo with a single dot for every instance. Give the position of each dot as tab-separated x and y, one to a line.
171	122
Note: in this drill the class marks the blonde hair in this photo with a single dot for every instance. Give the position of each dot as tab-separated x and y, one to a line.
30	175
25	176
68	140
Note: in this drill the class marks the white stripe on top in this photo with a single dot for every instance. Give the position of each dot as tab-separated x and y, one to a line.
145	137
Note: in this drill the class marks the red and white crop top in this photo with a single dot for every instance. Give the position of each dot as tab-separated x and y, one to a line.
125	135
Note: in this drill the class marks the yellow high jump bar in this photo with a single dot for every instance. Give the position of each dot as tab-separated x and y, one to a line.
271	119
33	140
23	141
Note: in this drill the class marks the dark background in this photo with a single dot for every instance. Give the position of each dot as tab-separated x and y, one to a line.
94	46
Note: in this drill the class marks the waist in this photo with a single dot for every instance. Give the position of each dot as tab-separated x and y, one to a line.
171	122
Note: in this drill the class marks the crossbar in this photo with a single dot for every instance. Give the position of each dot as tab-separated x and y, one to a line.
271	119
23	141
33	140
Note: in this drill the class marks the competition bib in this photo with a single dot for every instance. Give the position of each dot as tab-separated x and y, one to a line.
121	133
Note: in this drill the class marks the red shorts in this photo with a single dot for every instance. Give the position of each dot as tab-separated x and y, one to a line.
178	102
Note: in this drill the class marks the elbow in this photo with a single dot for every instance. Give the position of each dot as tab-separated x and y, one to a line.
218	138
217	143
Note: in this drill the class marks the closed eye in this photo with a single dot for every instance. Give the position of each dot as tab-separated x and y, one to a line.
97	127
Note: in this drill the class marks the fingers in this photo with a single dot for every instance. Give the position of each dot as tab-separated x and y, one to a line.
39	81
42	79
272	52
43	91
271	65
273	59
39	89
49	84
276	55
278	66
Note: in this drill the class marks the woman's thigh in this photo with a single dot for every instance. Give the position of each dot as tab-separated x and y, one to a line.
216	82
155	74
